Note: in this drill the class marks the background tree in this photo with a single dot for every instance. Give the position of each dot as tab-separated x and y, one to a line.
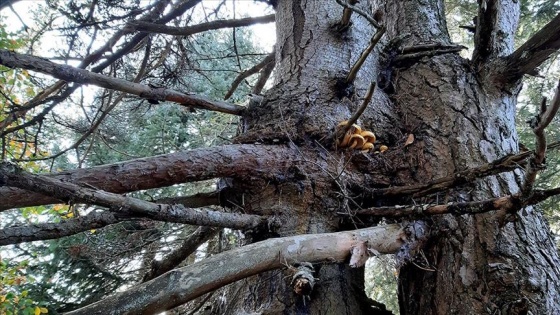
289	179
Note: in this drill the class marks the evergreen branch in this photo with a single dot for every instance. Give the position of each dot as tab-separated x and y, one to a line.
143	26
72	74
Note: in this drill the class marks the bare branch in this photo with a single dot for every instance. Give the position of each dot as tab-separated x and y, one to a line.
534	51
72	74
249	72
543	119
187	247
374	40
47	231
359	112
190	282
501	165
190	30
127	206
263	78
165	170
509	203
349	6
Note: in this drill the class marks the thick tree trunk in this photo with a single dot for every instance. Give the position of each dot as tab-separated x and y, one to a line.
302	110
480	264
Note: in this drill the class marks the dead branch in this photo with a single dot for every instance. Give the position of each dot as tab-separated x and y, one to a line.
346	14
263	77
249	72
534	51
72	74
165	170
374	40
359	112
505	164
124	206
542	120
203	27
348	5
509	203
187	247
47	231
190	282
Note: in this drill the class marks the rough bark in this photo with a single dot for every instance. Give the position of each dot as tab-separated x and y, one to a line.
459	121
165	170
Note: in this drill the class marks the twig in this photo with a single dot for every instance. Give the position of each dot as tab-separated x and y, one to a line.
352	74
359	11
245	74
346	14
359	112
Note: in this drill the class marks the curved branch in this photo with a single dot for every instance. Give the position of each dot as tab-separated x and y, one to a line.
203	27
187	283
166	170
249	72
124	206
72	74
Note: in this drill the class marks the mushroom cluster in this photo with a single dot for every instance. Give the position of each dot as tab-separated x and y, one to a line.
355	138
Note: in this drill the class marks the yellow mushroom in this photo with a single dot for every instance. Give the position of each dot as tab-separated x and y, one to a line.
357	141
383	148
367	147
368	136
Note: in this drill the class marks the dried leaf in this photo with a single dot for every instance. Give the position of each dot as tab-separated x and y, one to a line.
409	140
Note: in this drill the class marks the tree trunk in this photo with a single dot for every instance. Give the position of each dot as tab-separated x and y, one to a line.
479	264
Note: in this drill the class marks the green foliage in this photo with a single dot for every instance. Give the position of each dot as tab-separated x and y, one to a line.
15	300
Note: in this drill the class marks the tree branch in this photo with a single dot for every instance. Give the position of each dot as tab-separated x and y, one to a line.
249	72
190	282
187	247
47	231
190	30
509	203
72	74
533	52
11	175
166	170
542	121
93	220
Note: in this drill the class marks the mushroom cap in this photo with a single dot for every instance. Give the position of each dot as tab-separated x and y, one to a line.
367	147
356	141
369	136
